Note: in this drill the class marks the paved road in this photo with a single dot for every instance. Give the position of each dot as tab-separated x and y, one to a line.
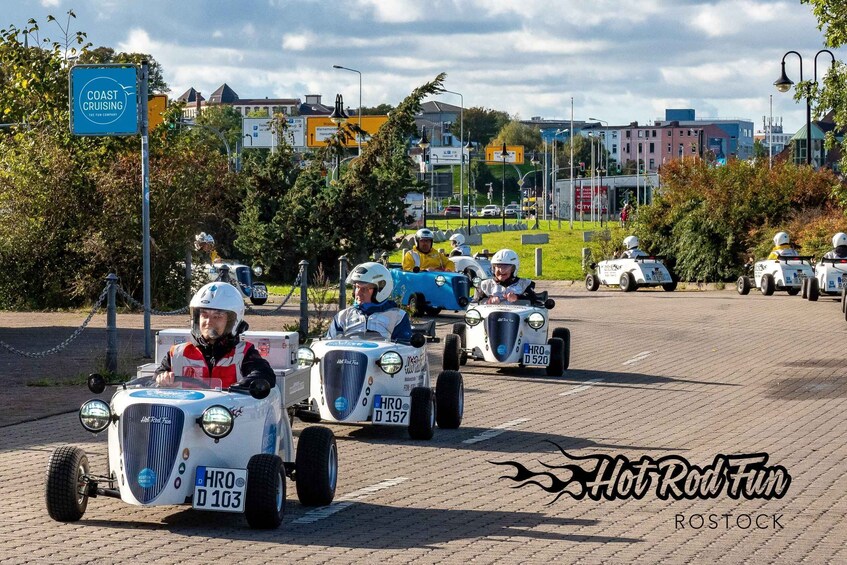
652	374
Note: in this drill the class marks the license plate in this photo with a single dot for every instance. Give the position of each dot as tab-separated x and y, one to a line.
536	354
658	275
259	292
219	489
391	410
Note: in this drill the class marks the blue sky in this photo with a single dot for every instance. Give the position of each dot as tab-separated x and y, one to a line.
621	61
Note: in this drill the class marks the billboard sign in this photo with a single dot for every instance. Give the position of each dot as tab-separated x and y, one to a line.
256	133
295	133
104	99
321	128
447	155
514	154
157	104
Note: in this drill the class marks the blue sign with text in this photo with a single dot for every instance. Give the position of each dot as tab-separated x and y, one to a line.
104	100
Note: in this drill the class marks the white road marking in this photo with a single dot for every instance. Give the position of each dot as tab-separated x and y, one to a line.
496	431
341	503
587	385
639	357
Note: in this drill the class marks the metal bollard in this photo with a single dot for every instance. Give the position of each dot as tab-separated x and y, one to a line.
342	287
304	298
537	261
111	325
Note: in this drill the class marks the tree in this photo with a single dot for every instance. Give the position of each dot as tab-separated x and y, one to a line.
483	124
516	133
381	110
104	55
223	118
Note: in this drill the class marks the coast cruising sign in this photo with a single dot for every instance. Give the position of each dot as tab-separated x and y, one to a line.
104	100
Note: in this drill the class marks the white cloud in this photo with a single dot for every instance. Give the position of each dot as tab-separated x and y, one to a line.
298	41
50	3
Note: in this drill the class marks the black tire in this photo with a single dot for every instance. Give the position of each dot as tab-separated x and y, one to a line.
259	301
794	291
460	330
452	353
804	289
316	465
592	282
556	368
417	303
844	300
742	285
65	489
767	285
422	413
264	503
449	400
814	289
670	287
565	335
627	282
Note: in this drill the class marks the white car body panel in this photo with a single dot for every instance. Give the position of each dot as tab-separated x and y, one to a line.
647	271
503	331
787	272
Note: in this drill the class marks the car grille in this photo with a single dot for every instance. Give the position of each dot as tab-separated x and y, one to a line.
502	329
343	375
151	435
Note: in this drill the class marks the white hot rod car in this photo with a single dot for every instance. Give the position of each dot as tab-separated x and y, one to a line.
830	279
630	274
785	273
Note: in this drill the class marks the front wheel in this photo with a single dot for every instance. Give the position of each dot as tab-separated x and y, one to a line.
804	289
263	292
422	413
317	466
460	330
452	353
793	291
449	399
66	489
669	287
592	282
556	368
814	289
417	303
767	285
627	282
565	335
742	285
264	503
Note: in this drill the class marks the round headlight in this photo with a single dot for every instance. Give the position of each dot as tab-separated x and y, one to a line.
440	280
258	270
305	357
473	317
535	320
216	421
476	281
391	362
95	416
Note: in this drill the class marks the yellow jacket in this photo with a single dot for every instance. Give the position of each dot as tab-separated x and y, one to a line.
782	251
432	260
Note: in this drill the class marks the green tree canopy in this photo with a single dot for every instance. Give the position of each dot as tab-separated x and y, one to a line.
516	133
482	123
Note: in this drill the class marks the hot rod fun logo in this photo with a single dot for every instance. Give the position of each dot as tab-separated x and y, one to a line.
672	477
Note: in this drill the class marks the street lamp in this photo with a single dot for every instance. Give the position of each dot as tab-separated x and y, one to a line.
783	84
470	149
338	117
461	140
504	154
358	135
424	145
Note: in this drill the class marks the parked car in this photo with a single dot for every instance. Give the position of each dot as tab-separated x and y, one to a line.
473	212
453	211
492	210
512	211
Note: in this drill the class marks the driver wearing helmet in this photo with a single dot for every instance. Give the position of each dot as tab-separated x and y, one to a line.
214	350
839	247
422	257
205	244
782	246
505	285
371	310
631	243
457	240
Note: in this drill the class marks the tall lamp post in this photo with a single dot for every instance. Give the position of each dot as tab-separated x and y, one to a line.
503	153
783	84
424	145
470	149
461	140
358	135
339	117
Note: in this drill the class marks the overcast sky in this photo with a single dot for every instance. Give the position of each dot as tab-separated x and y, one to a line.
620	60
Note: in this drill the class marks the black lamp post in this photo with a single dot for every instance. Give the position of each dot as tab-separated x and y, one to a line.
424	145
783	84
339	117
504	154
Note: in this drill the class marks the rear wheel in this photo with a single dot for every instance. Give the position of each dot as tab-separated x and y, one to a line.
804	289
793	291
417	303
814	289
592	282
316	463
742	285
565	335
557	357
627	282
460	330
264	503
449	399
767	285
844	300
422	413
452	353
669	287
65	491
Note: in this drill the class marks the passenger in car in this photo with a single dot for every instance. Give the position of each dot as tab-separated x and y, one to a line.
505	285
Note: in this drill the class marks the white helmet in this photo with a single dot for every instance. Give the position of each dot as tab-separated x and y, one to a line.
839	239
630	242
781	238
457	239
507	257
424	233
376	274
218	296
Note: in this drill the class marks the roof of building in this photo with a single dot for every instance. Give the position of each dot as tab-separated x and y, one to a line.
315	110
268	101
190	95
223	95
436	107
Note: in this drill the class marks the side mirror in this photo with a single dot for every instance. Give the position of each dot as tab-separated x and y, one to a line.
260	388
549	303
96	383
592	265
418	340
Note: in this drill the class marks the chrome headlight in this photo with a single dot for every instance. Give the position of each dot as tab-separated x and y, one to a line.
216	421
473	317
440	280
390	362
535	320
258	270
95	416
476	281
305	357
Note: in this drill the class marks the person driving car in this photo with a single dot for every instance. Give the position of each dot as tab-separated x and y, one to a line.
632	251
839	247
505	285
371	309
782	246
457	240
214	350
422	257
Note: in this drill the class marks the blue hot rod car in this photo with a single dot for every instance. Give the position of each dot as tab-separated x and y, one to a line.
429	292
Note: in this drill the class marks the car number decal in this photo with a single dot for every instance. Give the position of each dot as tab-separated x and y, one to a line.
362	344
168	394
219	489
390	410
536	354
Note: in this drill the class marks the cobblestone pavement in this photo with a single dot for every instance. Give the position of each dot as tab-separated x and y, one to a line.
687	374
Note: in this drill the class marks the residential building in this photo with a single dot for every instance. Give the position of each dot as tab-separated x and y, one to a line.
738	130
225	95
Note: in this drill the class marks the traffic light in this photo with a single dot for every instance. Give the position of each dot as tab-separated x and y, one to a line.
426	157
582	166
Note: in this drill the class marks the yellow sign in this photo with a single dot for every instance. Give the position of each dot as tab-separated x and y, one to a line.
514	154
320	128
156	106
